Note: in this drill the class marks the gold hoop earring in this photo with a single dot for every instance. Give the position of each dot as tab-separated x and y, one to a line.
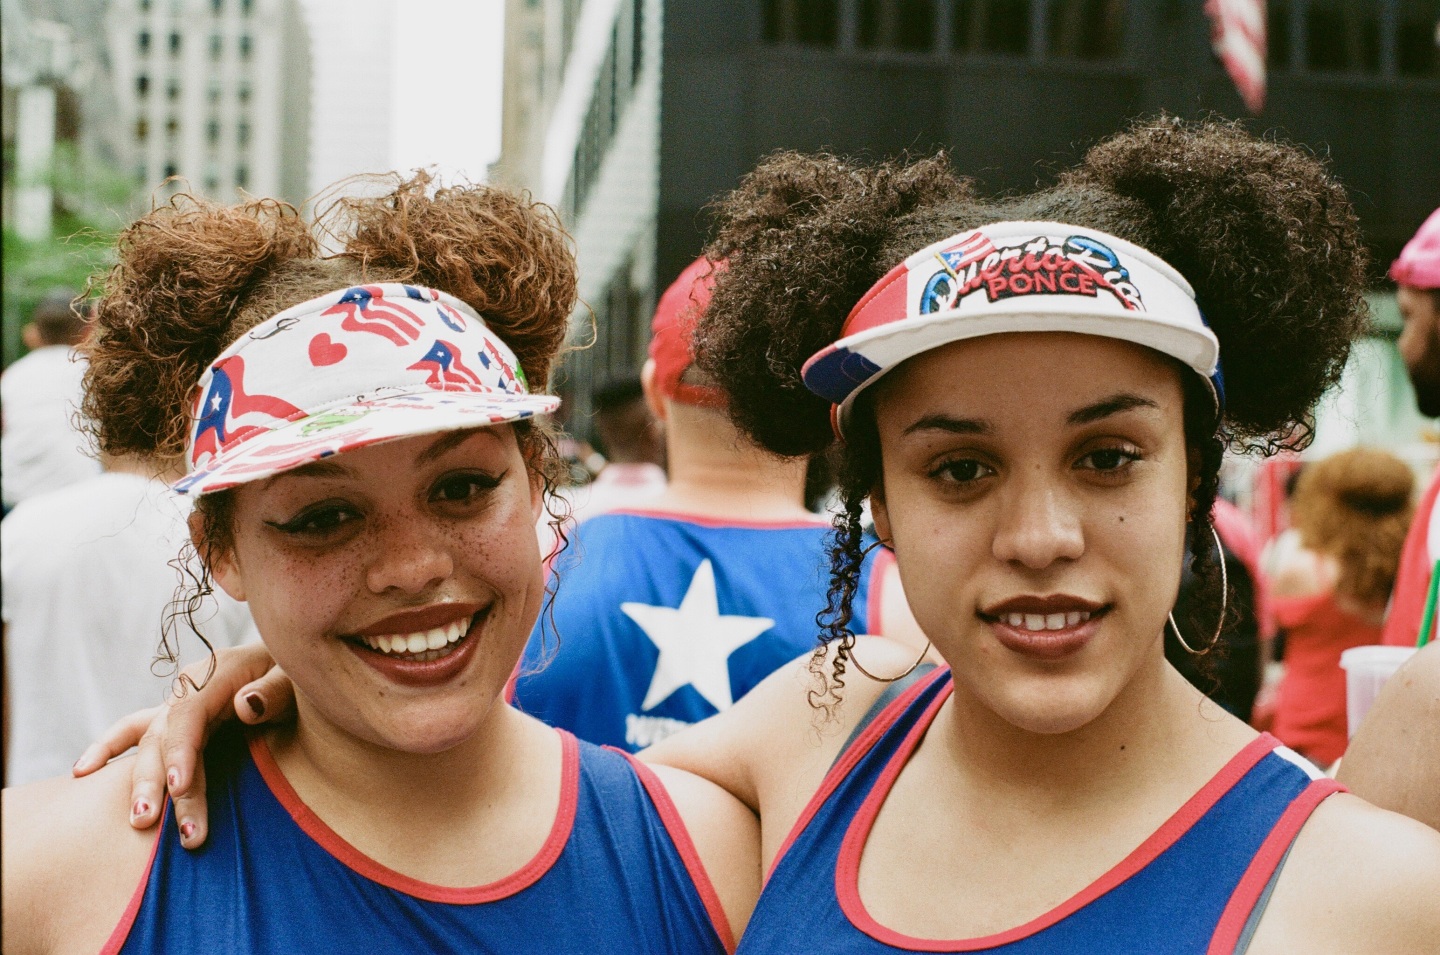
888	679
1224	603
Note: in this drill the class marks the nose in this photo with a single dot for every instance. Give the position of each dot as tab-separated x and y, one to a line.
1039	523
411	557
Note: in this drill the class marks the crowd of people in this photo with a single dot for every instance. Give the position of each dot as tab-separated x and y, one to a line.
999	696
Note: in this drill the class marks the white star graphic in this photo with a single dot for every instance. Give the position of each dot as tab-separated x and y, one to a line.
695	641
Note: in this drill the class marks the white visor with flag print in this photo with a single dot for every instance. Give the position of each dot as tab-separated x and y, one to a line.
1015	277
352	368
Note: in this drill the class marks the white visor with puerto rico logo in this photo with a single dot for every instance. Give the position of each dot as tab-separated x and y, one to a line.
349	369
1015	277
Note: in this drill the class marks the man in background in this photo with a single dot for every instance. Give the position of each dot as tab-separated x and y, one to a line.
1417	274
89	575
668	614
632	441
40	394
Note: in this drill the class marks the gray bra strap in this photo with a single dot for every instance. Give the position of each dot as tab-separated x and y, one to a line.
1252	924
883	700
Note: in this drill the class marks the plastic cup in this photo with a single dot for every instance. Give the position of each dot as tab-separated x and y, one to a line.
1366	670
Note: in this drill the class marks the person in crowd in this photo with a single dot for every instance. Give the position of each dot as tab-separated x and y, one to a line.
1030	399
670	612
631	470
88	587
1416	274
362	447
1351	511
632	440
1393	760
40	394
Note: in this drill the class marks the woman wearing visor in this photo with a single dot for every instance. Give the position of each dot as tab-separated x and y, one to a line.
368	472
1034	395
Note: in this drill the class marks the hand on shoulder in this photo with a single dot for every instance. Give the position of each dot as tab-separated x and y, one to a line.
71	861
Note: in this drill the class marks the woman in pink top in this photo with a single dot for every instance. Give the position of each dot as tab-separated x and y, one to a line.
1352	510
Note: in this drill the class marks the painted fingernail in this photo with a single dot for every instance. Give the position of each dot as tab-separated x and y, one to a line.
256	703
140	808
172	778
187	829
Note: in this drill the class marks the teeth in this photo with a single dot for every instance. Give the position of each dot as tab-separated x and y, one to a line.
1042	621
425	645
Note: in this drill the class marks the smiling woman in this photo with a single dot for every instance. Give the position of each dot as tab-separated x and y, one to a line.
360	434
1029	393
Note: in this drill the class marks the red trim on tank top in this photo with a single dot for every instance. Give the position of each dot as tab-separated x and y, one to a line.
680	835
357	861
1257	875
874	611
684	517
847	869
853	754
121	933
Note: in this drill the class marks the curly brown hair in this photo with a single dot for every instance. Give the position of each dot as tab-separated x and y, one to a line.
193	275
1355	506
1265	236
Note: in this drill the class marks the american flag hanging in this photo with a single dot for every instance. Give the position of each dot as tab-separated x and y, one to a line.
1238	36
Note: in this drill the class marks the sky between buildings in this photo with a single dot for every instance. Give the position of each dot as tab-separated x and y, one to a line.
405	83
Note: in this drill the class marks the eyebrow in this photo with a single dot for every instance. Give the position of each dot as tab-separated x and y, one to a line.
318	469
452	440
1125	401
1113	405
941	422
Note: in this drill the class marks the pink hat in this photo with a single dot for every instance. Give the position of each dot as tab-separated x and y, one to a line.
672	329
1419	262
351	368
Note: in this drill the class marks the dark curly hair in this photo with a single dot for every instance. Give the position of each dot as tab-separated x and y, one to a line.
1265	236
194	275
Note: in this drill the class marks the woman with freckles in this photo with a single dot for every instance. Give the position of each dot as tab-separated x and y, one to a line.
1034	395
361	441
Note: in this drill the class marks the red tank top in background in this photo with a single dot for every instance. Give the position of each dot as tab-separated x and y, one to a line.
1412	581
1310	708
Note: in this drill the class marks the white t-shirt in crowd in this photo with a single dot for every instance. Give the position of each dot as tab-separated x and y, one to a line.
41	448
87	583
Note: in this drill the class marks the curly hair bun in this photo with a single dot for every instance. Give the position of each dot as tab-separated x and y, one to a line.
169	307
803	237
1271	245
1265	236
504	256
194	275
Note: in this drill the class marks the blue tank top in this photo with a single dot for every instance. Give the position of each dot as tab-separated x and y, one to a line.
660	621
1189	888
618	873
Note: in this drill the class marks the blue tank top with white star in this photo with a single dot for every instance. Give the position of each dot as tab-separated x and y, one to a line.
661	620
1196	886
618	873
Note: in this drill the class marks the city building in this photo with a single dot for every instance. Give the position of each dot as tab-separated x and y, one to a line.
352	94
214	91
630	115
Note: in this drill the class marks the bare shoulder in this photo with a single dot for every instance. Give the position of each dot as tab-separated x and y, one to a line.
1358	879
726	835
1393	760
785	732
71	861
